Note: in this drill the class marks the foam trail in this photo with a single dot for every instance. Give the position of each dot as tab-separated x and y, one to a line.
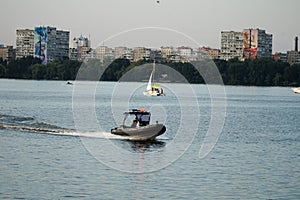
61	132
99	135
162	137
55	130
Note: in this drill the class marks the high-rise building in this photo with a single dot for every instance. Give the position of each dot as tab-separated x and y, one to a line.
51	44
257	43
24	43
62	44
231	45
251	43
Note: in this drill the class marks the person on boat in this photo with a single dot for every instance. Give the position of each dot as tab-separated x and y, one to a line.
135	123
161	91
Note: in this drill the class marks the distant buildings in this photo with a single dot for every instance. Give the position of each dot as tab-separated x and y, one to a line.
293	57
80	48
7	53
257	44
24	43
104	53
231	45
213	53
123	52
46	43
251	43
51	44
280	56
167	52
80	42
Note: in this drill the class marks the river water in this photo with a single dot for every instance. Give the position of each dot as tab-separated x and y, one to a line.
51	147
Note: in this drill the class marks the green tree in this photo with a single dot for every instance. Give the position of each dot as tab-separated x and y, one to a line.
291	74
115	70
38	71
277	80
2	71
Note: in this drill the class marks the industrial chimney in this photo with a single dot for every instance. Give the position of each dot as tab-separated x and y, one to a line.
296	43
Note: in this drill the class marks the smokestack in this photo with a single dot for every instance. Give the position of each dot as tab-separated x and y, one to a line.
296	43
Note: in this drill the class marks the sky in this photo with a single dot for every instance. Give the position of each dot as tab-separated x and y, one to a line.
153	24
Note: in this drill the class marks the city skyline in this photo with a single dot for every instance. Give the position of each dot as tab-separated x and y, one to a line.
149	23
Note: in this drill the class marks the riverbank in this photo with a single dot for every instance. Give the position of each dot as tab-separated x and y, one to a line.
258	72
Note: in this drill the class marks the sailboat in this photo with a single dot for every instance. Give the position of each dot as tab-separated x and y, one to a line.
153	90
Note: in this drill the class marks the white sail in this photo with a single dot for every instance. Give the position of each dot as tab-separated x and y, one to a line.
149	86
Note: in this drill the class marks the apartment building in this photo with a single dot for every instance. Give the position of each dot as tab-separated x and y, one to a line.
248	44
212	53
62	45
257	44
167	52
293	57
185	53
140	53
24	43
123	52
231	45
51	44
104	53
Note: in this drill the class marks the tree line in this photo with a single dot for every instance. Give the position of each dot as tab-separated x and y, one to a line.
257	72
31	68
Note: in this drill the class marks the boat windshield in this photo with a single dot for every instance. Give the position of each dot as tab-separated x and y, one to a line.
142	116
144	119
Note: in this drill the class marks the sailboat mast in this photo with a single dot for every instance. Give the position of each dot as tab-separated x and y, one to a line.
153	70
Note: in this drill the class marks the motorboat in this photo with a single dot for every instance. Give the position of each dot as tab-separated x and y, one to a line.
296	90
140	129
153	89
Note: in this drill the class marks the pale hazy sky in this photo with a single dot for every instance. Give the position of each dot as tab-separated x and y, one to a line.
168	23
